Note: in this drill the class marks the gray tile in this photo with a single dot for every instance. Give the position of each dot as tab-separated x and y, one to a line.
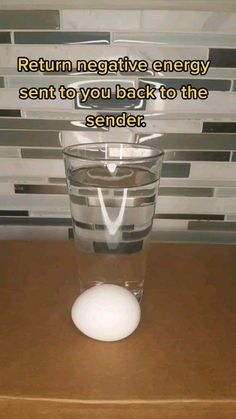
190	236
226	192
40	153
44	125
57	180
190	216
5	37
184	141
29	138
197	155
234	156
62	38
219	85
211	225
14	213
29	19
231	217
229	127
10	113
40	189
169	191
1	83
234	85
177	38
35	221
175	170
222	57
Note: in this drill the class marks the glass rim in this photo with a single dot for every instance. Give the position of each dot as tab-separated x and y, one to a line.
157	152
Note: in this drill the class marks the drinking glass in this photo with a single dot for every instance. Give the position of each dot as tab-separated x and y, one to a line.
113	190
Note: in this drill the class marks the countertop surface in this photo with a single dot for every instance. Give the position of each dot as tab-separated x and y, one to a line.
182	354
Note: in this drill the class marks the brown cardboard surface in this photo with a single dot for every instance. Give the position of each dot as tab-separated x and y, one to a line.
182	356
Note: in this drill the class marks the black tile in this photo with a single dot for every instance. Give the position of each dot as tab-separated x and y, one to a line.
40	153
5	37
234	157
82	225
121	248
2	85
29	19
70	233
29	138
221	57
14	213
62	37
10	113
45	125
189	217
219	126
35	221
197	155
40	189
113	103
175	170
136	235
212	226
210	84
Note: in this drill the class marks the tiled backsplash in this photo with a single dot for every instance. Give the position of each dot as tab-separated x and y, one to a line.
197	197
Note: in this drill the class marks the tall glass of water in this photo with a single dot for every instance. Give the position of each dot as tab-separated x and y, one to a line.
113	190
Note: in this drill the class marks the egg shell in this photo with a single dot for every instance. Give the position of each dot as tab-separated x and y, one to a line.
106	312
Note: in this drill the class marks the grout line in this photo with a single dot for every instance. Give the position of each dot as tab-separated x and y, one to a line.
12	38
121	402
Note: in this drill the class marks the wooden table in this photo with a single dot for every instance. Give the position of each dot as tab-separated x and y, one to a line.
180	363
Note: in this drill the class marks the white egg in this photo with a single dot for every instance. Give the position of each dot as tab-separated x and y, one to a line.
106	312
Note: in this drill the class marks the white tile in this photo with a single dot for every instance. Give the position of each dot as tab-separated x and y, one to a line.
213	104
113	135
171	182
6	188
50	214
195	205
33	233
67	80
179	119
177	38
215	73
169	126
102	20
10	98
213	171
25	180
9	53
29	202
170	224
188	21
31	168
9	152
